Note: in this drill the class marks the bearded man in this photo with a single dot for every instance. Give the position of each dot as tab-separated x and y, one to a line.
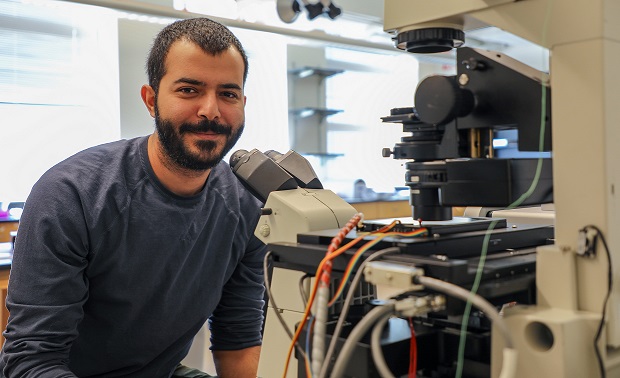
125	250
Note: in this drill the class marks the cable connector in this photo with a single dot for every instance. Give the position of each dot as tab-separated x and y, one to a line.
414	306
360	225
393	274
586	242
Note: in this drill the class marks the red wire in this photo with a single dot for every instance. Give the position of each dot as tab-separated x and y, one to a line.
332	252
330	255
413	352
333	246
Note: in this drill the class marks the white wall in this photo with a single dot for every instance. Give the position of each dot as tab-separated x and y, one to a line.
266	109
135	40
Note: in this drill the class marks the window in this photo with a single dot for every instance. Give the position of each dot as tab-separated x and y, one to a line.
58	87
371	85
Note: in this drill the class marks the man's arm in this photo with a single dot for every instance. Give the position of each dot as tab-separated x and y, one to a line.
241	363
47	288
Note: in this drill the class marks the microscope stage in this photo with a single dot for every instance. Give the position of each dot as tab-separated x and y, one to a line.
455	225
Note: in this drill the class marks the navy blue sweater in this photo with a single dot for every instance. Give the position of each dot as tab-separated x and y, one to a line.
113	274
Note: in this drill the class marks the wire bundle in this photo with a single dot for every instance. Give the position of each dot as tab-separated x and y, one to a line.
324	268
318	345
379	315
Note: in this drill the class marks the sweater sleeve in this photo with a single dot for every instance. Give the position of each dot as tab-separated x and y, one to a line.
237	321
47	285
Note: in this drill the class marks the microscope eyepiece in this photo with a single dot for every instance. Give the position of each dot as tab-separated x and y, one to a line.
236	156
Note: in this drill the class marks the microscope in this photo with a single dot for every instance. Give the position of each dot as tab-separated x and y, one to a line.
573	329
451	156
564	321
452	163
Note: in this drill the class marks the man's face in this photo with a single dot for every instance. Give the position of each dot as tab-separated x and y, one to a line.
199	108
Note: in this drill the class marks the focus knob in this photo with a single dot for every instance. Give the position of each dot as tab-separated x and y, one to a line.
439	100
430	40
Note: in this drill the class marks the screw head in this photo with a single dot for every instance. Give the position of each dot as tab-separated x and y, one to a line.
264	230
463	79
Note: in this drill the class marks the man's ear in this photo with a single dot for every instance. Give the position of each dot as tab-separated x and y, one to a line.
148	96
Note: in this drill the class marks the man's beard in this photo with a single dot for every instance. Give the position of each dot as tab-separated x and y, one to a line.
180	154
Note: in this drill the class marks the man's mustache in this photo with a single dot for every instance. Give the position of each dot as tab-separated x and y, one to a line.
205	126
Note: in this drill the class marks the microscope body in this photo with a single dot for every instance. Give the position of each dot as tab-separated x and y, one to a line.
574	298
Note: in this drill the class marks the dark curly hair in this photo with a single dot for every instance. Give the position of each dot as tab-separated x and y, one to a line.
212	37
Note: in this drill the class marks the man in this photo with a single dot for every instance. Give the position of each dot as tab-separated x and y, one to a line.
126	249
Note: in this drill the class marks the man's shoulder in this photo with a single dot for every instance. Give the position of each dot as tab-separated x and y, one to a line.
100	158
111	151
95	167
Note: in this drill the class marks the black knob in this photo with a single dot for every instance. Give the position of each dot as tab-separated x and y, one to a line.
333	11
314	10
474	64
439	100
430	40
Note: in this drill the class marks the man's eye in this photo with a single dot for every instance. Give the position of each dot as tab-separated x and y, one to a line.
187	90
230	94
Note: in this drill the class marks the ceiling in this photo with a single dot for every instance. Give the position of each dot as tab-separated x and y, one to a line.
371	10
361	20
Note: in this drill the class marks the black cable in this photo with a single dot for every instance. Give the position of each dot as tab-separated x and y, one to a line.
302	290
599	331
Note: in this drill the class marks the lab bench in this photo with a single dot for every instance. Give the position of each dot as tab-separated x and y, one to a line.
383	209
8	225
5	268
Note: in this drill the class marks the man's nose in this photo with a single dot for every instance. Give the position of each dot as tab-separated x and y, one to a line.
209	107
